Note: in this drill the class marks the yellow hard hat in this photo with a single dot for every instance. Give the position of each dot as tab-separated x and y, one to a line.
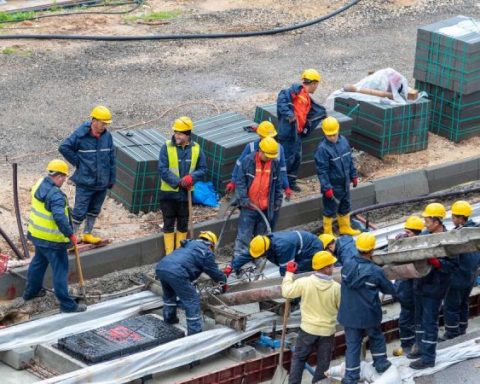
266	129
326	239
322	259
330	126
58	166
434	210
259	245
310	75
415	223
183	124
209	236
462	208
365	242
102	114
269	146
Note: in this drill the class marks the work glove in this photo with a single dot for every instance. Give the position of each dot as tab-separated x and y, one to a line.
228	270
73	239
434	262
291	266
288	193
328	193
186	182
224	288
355	181
230	187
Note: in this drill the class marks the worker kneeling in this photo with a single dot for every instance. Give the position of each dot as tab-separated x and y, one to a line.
320	296
179	269
361	310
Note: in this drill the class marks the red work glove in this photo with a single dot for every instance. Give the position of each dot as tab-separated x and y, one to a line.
328	193
224	288
355	182
434	262
186	182
228	270
230	187
288	193
74	240
291	266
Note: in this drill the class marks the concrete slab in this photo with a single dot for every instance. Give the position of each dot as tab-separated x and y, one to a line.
457	172
12	376
18	358
363	195
408	184
57	360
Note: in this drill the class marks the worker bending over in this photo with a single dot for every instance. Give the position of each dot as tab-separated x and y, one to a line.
298	115
181	164
90	150
179	269
320	299
342	247
50	229
336	171
360	310
455	306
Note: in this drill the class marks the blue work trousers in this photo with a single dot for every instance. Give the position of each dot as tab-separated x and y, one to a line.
58	260
180	286
332	207
406	324
353	338
250	224
426	326
293	158
87	202
455	311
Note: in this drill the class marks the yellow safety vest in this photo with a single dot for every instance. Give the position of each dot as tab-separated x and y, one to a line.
173	163
41	224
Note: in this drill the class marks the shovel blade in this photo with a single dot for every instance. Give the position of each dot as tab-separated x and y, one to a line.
280	376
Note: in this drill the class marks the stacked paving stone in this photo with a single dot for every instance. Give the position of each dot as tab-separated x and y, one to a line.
447	67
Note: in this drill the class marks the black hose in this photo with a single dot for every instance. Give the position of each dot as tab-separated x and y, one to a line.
182	36
11	244
26	254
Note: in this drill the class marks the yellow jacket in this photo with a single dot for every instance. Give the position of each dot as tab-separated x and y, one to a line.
319	304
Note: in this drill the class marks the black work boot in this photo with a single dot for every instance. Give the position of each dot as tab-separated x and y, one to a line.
421	364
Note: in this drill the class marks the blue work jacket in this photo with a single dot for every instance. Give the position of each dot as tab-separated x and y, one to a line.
468	266
190	260
94	159
288	131
253	147
184	155
335	166
362	280
345	249
246	174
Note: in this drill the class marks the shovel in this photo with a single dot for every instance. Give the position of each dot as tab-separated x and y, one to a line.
190	214
80	272
281	375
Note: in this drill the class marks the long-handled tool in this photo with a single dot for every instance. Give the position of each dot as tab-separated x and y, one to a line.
190	214
80	272
281	375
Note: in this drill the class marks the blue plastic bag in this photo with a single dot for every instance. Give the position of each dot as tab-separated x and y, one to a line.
205	194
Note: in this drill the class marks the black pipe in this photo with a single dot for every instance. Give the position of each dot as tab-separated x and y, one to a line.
17	213
188	36
11	244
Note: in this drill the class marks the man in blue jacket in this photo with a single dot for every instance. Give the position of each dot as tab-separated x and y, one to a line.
361	310
179	269
429	292
335	170
298	115
280	248
51	232
90	149
264	129
343	247
181	164
258	185
455	307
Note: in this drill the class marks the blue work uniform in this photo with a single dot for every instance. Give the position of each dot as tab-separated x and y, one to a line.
345	249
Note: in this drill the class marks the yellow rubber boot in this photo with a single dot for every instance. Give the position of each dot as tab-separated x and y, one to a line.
328	225
180	236
90	239
169	242
344	226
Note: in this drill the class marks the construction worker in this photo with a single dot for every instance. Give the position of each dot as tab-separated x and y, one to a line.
429	292
179	269
342	247
336	171
258	187
455	306
298	115
90	149
264	129
320	299
406	322
361	310
181	164
280	248
51	232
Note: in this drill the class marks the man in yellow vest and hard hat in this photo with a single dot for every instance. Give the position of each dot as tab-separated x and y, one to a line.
90	149
51	232
181	164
